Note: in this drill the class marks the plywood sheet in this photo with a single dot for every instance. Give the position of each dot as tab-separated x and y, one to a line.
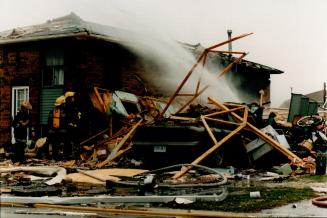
103	174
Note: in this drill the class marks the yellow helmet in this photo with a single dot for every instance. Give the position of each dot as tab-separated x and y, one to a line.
69	94
26	105
60	100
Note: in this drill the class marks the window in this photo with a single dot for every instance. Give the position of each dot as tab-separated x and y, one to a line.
53	74
19	94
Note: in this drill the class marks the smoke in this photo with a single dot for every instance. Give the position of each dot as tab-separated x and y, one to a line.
166	61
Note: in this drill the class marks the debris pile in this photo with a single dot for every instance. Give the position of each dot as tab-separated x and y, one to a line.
151	151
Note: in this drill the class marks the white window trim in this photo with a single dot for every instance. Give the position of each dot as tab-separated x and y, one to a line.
15	109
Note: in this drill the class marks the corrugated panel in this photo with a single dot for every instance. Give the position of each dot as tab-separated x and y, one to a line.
295	106
125	96
313	108
48	97
304	106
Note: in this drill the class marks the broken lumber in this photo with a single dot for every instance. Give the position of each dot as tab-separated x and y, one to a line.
94	136
121	143
211	150
224	111
290	155
216	143
120	153
201	58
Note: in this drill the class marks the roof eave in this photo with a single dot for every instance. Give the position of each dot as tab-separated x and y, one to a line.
57	36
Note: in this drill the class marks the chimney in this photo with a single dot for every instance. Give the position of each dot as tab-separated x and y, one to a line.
229	33
324	93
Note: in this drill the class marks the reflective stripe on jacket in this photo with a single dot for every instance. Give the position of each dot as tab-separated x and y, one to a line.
56	118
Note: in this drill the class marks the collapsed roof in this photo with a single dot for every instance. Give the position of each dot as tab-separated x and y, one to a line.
226	59
72	25
67	26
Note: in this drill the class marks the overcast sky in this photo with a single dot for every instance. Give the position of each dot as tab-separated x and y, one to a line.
290	35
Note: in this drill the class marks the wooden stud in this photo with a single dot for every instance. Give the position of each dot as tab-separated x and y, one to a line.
104	107
224	111
121	143
185	94
228	41
183	118
181	86
229	52
229	66
202	56
192	99
261	134
208	152
94	136
222	121
212	136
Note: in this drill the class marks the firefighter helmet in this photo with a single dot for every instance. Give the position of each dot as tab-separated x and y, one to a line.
69	94
26	105
60	100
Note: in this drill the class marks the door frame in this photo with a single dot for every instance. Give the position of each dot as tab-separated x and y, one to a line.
15	105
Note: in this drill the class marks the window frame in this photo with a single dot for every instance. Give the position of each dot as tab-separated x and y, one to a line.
52	68
15	103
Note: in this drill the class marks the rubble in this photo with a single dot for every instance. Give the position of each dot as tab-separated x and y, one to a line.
143	133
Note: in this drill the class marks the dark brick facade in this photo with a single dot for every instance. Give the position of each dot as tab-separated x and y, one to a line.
87	63
20	66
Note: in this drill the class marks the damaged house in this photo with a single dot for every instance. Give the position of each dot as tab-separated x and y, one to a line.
41	62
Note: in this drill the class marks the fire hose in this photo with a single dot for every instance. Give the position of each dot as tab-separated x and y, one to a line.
161	185
320	201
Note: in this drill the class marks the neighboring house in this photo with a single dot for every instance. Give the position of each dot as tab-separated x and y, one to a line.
318	96
39	63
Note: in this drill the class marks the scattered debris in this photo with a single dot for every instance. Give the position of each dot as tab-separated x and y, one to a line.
166	142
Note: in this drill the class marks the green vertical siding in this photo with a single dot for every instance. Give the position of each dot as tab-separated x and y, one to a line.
48	97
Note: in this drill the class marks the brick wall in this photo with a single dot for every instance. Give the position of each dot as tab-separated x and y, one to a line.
88	63
19	67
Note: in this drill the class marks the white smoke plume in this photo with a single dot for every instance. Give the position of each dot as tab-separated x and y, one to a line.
173	62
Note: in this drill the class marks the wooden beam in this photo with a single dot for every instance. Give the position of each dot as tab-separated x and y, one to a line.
192	99
212	136
118	154
202	57
229	52
228	41
199	80
245	116
94	136
92	176
232	104
183	118
145	211
208	152
222	121
224	111
121	143
259	133
229	66
104	107
185	94
179	88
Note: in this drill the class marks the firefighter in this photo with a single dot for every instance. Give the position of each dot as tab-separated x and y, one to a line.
57	124
72	149
22	131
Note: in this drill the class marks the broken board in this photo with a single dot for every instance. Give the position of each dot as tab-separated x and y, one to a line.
103	174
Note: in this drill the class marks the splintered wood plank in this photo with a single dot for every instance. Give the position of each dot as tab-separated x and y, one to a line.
103	174
117	172
121	143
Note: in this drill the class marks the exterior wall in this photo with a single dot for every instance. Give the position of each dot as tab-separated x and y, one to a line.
19	67
88	63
